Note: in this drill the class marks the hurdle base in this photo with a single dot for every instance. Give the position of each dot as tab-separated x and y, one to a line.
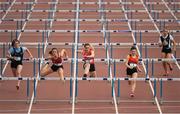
135	101
93	101
168	101
50	100
14	100
28	101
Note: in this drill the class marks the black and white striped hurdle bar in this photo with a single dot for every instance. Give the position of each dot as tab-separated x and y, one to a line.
81	44
93	10
84	31
94	20
83	78
89	3
99	59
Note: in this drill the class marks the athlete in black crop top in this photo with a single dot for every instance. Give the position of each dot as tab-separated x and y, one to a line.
166	41
15	55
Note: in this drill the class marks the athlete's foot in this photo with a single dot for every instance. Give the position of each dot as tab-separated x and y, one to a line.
170	67
62	79
132	95
17	87
129	82
84	77
92	76
166	74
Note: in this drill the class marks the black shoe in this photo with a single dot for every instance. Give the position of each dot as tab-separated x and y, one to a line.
17	87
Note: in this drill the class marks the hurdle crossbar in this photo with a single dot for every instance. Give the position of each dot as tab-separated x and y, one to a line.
93	10
106	3
95	20
88	31
80	44
99	59
68	78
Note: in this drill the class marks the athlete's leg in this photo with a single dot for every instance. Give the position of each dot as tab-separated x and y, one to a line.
61	74
86	69
46	70
18	74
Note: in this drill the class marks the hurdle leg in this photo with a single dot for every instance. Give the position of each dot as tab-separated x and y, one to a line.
118	96
161	92
70	91
34	100
28	89
155	91
76	91
112	91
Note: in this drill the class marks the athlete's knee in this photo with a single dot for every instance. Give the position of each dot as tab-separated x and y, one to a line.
42	73
18	73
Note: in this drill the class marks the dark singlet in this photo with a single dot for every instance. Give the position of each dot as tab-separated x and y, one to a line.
57	61
18	56
167	40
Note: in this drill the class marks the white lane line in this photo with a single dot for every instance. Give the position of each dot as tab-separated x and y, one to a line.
32	98
75	55
165	3
8	10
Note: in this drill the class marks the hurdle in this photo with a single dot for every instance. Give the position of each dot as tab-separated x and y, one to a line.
152	100
89	20
106	3
92	10
84	31
108	70
77	79
69	44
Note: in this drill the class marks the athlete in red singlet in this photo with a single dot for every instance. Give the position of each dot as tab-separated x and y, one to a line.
88	58
57	59
132	68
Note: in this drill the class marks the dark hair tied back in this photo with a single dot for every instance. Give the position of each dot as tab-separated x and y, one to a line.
14	41
133	48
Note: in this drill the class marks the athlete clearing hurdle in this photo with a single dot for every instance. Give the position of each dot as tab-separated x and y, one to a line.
57	63
132	68
88	53
15	55
165	42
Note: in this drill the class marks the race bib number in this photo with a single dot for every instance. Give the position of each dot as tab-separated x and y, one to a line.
165	43
17	58
133	65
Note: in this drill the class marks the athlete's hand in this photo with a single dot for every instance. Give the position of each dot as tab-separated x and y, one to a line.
66	58
174	49
131	67
31	58
139	70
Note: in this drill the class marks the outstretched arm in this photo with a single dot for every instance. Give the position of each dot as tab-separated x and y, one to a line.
138	68
8	56
79	51
92	54
63	53
174	45
30	55
160	43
